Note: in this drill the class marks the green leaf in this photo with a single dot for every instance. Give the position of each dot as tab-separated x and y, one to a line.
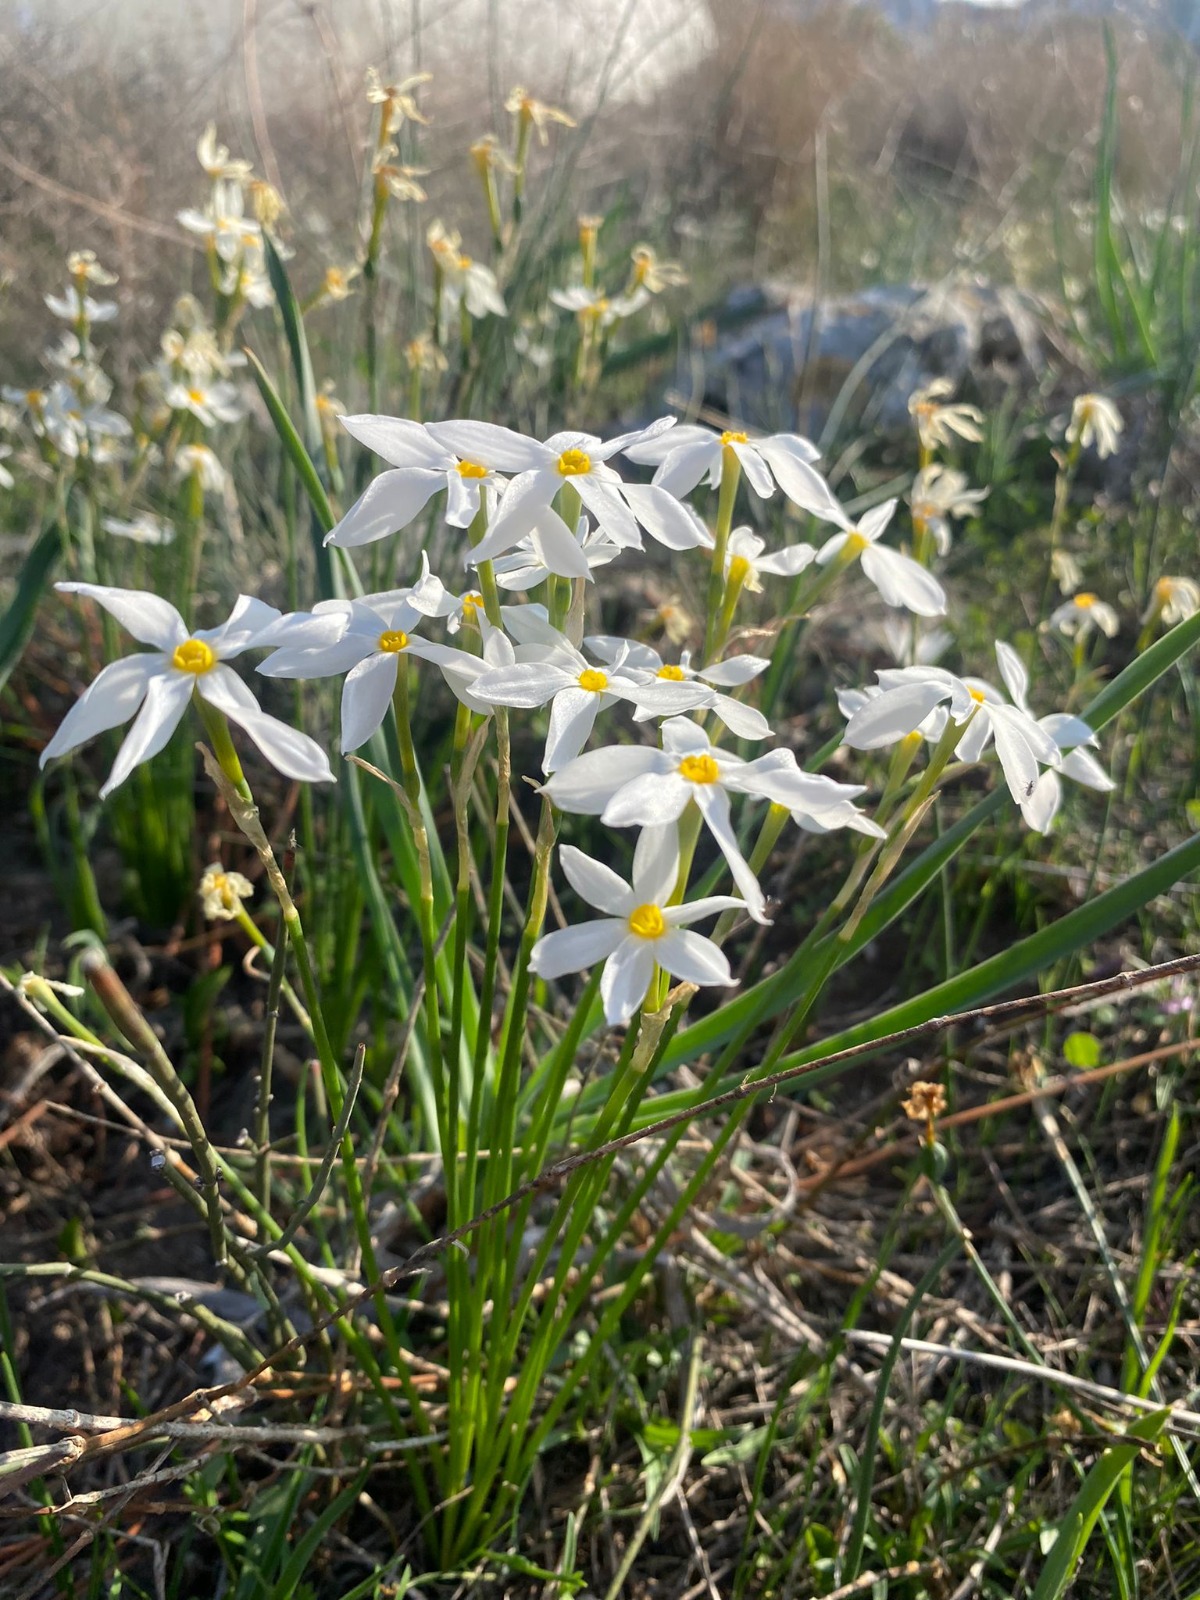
293	327
17	622
1075	1529
1082	1050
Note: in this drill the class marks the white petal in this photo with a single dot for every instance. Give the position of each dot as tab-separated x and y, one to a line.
326	663
366	695
648	801
892	715
462	499
901	581
787	563
744	721
1035	736
755	469
146	616
242	629
1041	807
664	698
714	807
691	957
587	784
530	624
803	485
387	504
662	516
597	884
974	741
1085	769
683	737
655	865
1016	759
1012	670
401	442
697	910
626	977
735	671
164	705
1067	730
557	548
681	469
575	949
872	523
639	436
525	684
489	445
287	749
831	548
110	699
630	652
605	503
525	501
572	718
651	452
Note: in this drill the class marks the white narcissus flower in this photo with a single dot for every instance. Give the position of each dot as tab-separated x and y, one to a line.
901	581
910	694
223	222
465	281
6	477
660	681
72	305
938	494
1095	421
197	460
420	467
566	680
1174	600
162	681
581	461
937	423
744	560
691	453
638	931
1071	734
141	529
209	403
222	893
1082	614
215	159
595	309
365	639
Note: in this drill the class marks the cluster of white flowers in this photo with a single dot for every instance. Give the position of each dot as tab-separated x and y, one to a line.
557	509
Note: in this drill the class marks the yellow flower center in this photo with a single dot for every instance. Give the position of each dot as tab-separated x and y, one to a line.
593	680
699	769
463	263
196	396
471	469
471	603
729	437
574	463
672	674
1164	590
34	398
647	922
978	696
335	279
392	641
193	655
856	543
739	570
1085	602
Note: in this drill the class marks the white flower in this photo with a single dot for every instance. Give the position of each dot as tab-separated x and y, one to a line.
78	427
910	694
1082	614
421	466
364	639
639	930
938	494
901	581
162	681
690	453
142	529
85	268
1066	571
661	681
577	459
938	423
465	281
199	461
222	893
599	310
215	160
1071	734
6	477
223	222
575	690
529	563
72	305
1095	421
744	560
209	403
1174	600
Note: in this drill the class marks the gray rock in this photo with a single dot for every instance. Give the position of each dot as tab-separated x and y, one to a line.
853	360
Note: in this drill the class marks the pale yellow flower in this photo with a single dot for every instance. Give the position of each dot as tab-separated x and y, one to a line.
222	893
215	159
1066	571
936	422
422	355
488	156
84	268
1095	421
266	202
397	99
400	180
653	275
531	113
335	285
1174	600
